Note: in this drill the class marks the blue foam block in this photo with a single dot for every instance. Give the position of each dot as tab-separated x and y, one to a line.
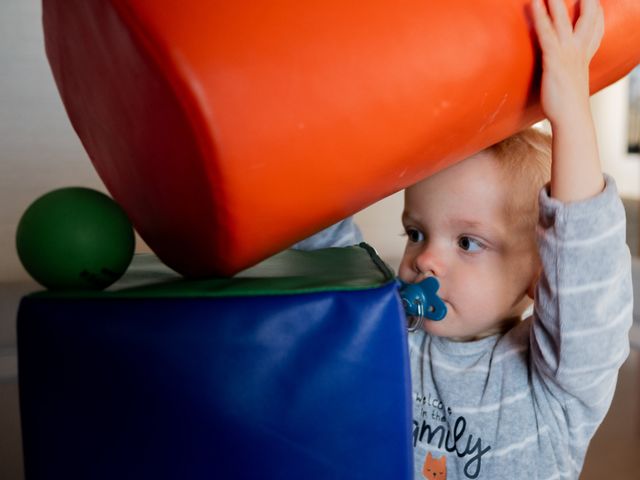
302	385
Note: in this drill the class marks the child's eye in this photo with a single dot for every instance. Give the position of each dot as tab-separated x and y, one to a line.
469	244
414	235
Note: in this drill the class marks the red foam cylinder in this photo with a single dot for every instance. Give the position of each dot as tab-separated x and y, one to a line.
228	130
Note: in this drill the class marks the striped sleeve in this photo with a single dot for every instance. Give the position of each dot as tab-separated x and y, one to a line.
583	306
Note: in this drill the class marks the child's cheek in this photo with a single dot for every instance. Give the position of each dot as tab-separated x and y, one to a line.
404	270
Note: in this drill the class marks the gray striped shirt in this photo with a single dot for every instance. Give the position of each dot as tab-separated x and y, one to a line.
526	404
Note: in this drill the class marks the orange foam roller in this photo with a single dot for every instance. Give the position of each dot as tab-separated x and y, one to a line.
228	130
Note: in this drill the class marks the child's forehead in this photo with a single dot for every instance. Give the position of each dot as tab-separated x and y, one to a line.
475	178
471	194
483	167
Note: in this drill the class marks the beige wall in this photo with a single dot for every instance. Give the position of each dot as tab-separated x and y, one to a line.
38	148
610	113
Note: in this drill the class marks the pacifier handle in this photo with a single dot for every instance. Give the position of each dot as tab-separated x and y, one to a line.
420	301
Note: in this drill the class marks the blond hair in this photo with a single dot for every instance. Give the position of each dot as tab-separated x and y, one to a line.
525	161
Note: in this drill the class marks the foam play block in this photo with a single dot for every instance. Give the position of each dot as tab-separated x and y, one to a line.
296	368
228	130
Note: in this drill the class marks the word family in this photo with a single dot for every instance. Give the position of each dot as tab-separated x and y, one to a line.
442	435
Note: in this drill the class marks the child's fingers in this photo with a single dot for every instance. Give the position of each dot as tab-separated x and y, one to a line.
587	21
598	34
542	23
590	26
560	16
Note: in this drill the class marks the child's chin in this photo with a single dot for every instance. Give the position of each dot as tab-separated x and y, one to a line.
440	329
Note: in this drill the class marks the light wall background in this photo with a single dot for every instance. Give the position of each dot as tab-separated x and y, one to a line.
39	151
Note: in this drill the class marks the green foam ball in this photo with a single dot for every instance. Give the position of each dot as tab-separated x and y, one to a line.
75	238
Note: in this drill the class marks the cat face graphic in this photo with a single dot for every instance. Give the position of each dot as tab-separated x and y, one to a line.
435	468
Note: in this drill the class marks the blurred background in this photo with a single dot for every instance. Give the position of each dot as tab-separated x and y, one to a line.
39	151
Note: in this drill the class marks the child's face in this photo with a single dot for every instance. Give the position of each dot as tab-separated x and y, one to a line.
459	231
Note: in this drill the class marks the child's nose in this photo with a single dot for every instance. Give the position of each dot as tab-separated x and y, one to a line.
430	262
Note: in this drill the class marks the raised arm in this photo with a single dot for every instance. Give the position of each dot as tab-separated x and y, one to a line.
567	51
583	302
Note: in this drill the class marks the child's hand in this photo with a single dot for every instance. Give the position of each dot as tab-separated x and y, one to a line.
566	54
564	97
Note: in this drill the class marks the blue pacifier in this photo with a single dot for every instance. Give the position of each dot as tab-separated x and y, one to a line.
420	301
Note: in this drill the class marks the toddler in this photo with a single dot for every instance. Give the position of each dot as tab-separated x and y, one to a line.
495	395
